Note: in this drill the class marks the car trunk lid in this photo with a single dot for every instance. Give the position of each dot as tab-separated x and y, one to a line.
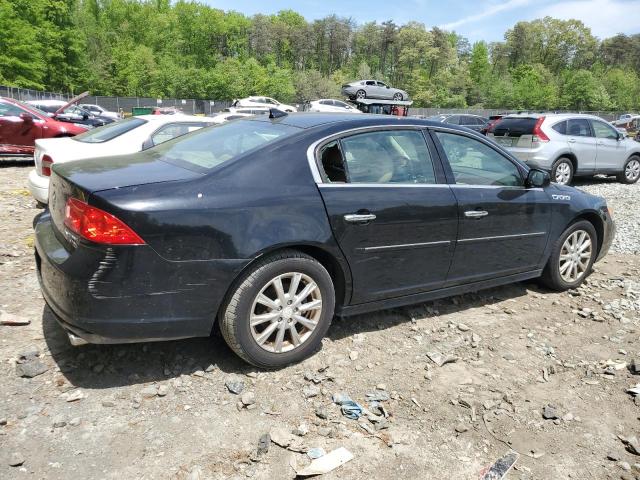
517	132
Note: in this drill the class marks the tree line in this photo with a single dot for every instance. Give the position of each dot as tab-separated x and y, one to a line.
185	49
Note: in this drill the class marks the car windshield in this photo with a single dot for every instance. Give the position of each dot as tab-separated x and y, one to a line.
32	108
109	131
207	148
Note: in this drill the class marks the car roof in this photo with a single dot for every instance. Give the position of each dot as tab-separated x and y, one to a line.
551	115
173	118
350	120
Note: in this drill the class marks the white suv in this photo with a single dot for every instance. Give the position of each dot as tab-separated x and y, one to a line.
569	145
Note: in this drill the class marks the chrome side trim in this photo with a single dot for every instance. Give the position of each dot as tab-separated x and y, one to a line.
402	246
311	150
506	187
384	185
501	237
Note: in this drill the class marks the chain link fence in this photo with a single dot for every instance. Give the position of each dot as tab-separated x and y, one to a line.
208	107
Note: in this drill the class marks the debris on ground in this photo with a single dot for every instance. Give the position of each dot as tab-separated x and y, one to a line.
632	444
234	384
349	408
325	463
12	320
501	467
439	359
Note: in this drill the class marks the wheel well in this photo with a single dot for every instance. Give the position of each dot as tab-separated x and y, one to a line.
572	157
596	221
327	260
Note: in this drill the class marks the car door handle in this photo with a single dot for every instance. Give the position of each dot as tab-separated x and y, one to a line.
572	140
359	217
476	213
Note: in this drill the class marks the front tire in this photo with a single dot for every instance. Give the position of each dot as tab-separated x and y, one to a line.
562	171
572	257
279	311
397	96
631	171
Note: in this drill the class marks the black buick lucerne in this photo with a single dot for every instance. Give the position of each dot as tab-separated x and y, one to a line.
271	225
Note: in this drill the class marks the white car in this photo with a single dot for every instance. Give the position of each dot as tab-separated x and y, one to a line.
98	110
131	135
228	116
330	105
263	102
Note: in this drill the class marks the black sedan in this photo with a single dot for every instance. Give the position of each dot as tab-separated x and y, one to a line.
271	225
473	122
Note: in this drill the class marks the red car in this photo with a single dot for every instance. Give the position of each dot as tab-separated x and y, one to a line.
21	125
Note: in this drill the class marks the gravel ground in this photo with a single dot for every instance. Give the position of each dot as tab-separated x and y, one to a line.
624	200
542	373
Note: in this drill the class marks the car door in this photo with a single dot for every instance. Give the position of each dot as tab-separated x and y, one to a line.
371	89
582	143
391	211
17	126
610	151
503	226
383	90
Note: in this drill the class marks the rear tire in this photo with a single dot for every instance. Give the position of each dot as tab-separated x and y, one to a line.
562	171
361	94
269	309
568	264
631	171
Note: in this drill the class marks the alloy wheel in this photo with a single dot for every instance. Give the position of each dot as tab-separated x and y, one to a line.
361	94
285	312
397	96
575	256
632	170
563	173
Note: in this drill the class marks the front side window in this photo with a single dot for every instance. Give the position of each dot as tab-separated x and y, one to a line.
380	84
395	156
109	131
602	130
453	120
579	127
173	130
474	163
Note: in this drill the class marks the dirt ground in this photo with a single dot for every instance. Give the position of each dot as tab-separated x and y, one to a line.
162	410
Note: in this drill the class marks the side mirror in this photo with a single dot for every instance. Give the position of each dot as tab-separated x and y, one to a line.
538	178
26	118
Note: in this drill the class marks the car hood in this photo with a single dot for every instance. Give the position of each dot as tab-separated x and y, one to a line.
121	171
71	102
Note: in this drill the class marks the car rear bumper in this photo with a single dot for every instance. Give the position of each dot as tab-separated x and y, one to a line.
128	293
39	186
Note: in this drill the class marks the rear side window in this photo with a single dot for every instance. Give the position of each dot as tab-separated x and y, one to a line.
174	130
109	131
396	156
210	147
474	163
453	120
514	126
561	127
579	127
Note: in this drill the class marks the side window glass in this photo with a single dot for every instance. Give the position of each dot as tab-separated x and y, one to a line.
474	163
370	82
397	156
578	127
9	110
173	130
332	163
380	84
561	127
604	131
453	119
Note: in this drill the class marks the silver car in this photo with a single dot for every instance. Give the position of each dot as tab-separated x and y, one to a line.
373	89
569	145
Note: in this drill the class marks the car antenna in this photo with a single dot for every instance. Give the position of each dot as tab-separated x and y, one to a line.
275	113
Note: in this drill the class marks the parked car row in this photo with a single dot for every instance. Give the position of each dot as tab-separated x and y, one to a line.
569	145
267	226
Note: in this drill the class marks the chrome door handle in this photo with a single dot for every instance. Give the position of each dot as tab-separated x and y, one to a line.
476	213
359	218
572	140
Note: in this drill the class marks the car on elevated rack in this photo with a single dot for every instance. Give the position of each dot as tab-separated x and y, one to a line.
373	89
569	145
268	226
21	125
126	136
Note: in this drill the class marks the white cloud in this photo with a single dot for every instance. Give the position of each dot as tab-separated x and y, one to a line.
490	11
604	17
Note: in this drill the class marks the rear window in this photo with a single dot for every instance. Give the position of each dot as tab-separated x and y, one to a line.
207	148
514	126
109	131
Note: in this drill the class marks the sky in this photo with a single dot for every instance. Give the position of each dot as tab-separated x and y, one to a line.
474	19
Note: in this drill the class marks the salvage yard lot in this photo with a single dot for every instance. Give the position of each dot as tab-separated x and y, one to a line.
163	410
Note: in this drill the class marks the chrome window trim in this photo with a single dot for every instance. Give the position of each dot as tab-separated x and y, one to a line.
311	150
501	237
384	185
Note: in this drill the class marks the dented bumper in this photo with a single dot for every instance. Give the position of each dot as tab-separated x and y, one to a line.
119	294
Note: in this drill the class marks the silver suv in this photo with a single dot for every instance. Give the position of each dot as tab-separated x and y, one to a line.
569	145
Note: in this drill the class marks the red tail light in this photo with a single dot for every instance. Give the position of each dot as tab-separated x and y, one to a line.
97	225
46	163
537	131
